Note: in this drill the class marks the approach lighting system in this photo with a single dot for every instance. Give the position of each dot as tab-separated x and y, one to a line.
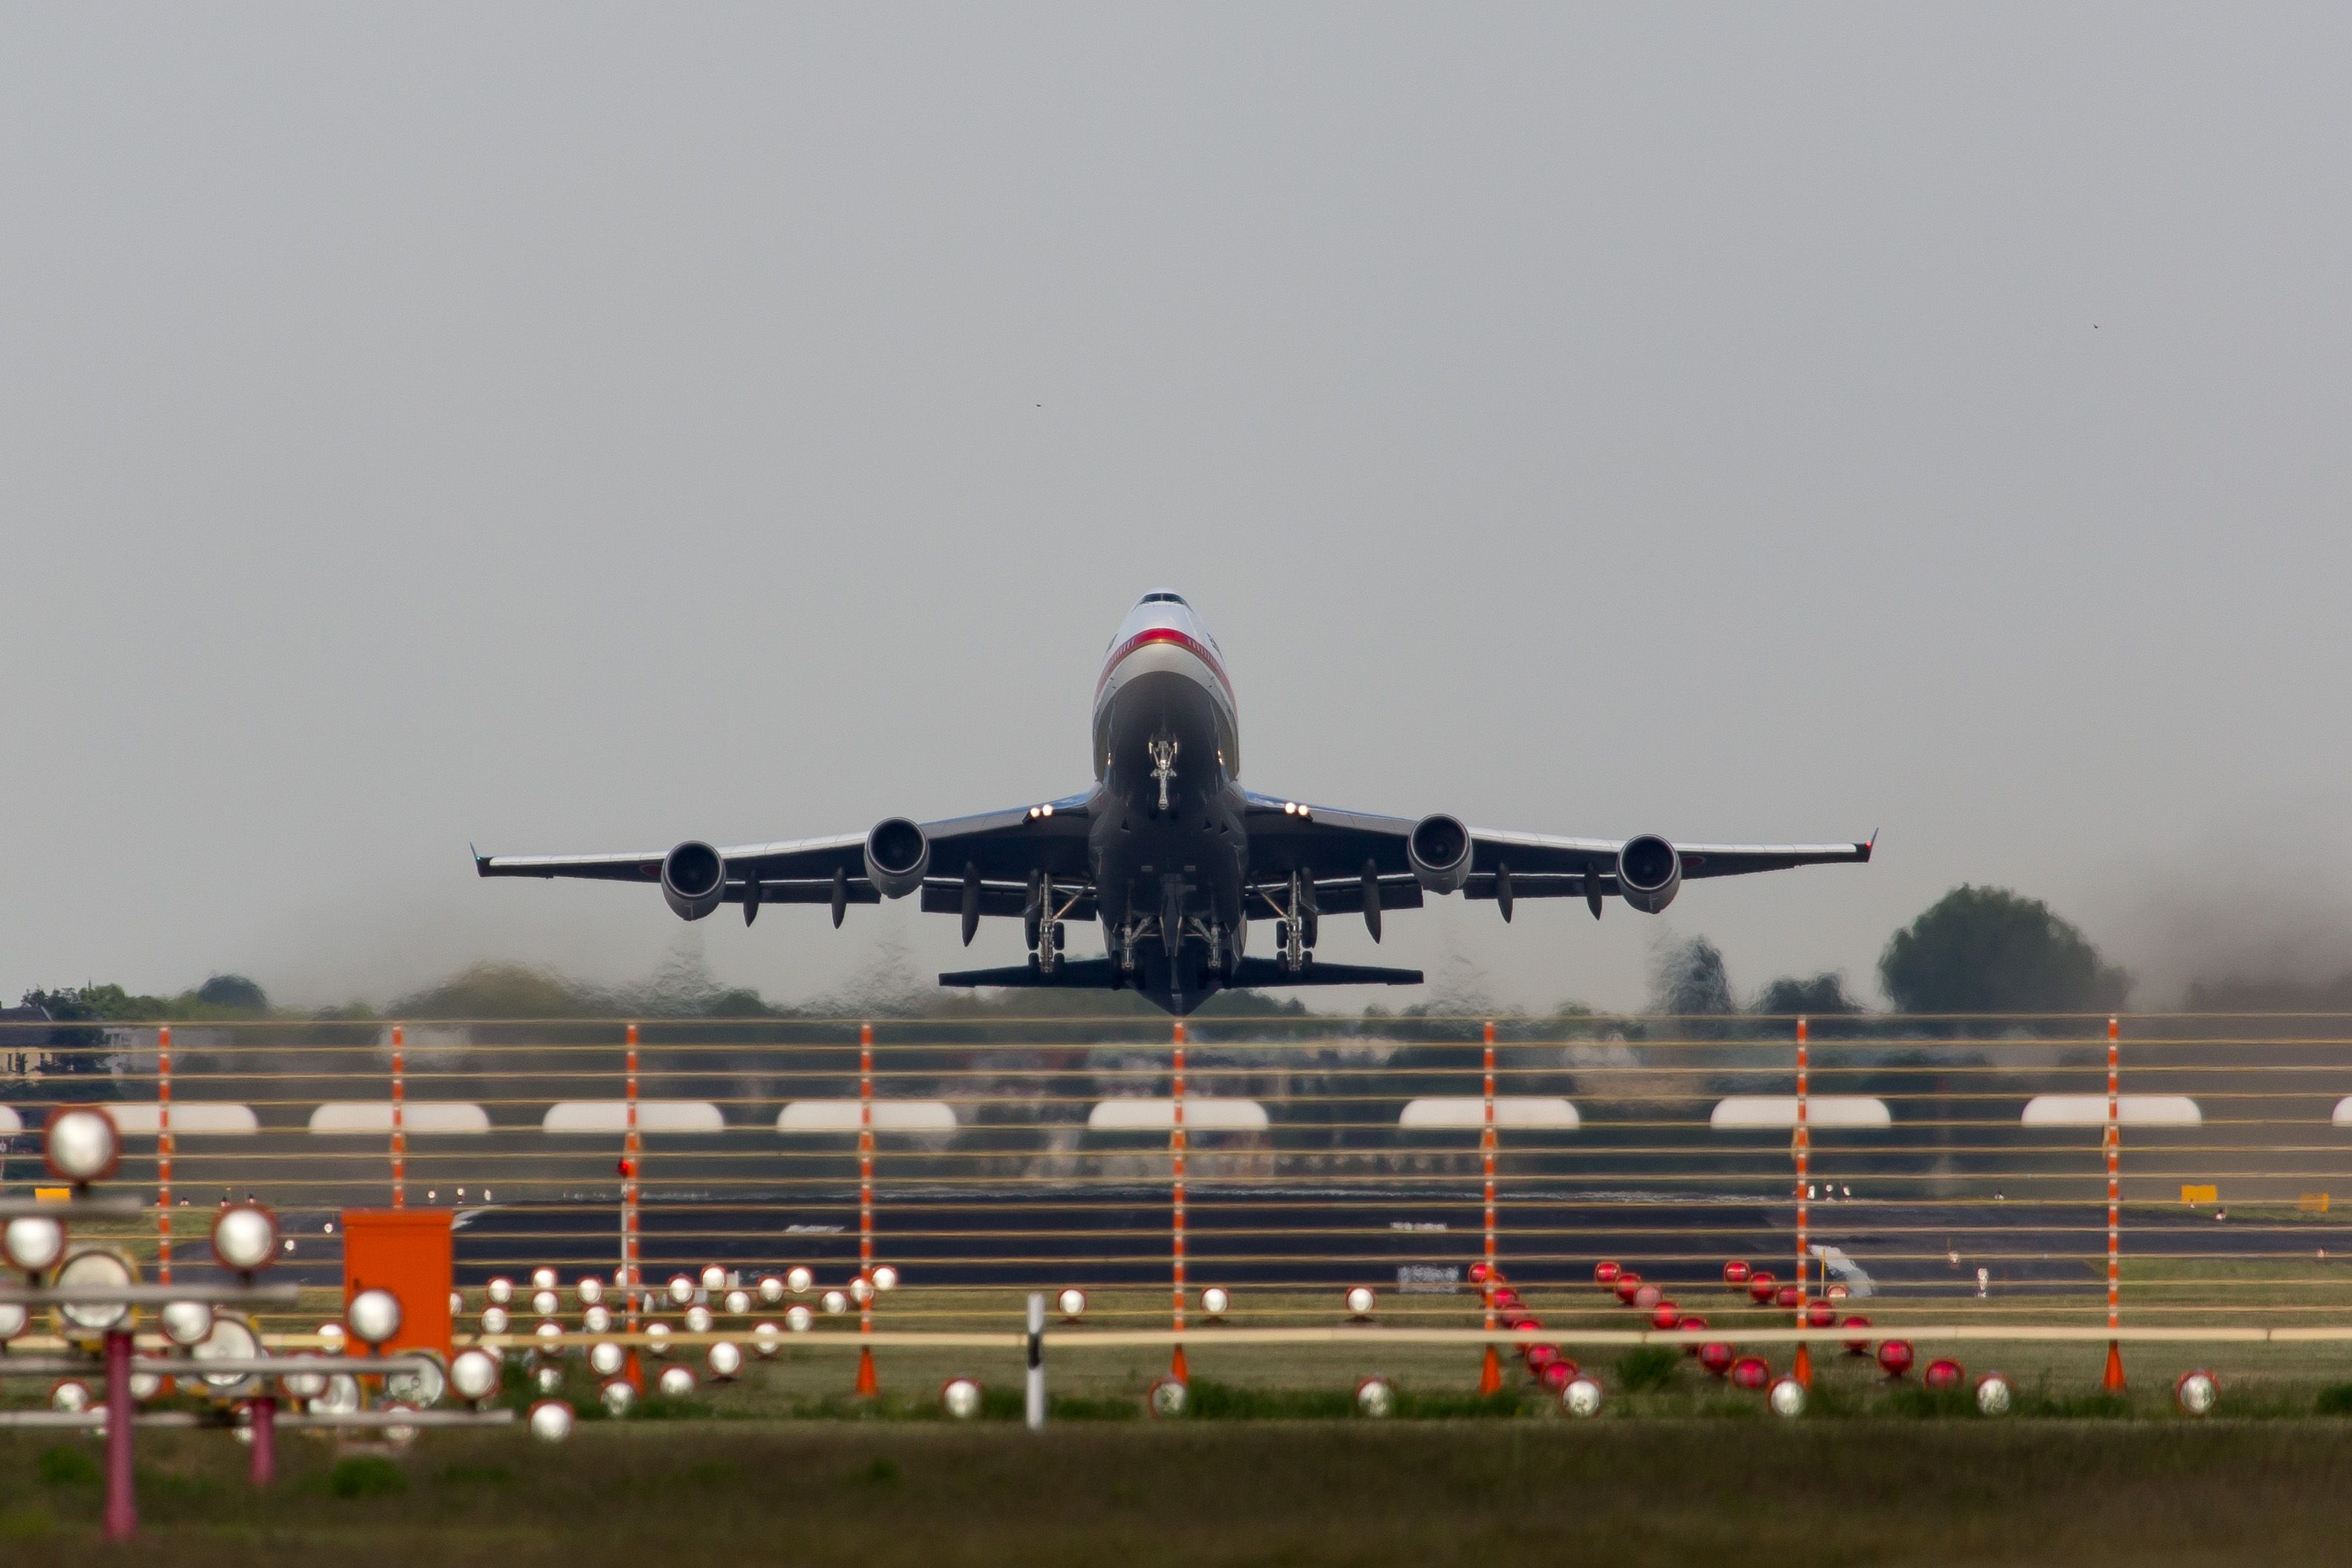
542	1278
767	1338
1375	1398
1943	1372
738	1304
495	1320
546	1303
1581	1397
474	1373
72	1396
772	1289
1750	1372
1360	1302
1215	1303
798	1318
1860	1343
618	1397
1169	1398
1628	1285
676	1382
373	1316
422	1384
1761	1283
697	1319
1994	1396
1605	1273
547	1380
34	1242
713	1277
724	1362
1894	1357
94	1268
186	1322
961	1398
800	1277
501	1290
1716	1357
1787	1398
14	1319
1735	1273
597	1320
304	1384
550	1420
681	1290
590	1289
550	1335
1665	1316
607	1359
657	1340
231	1338
861	1289
2196	1393
82	1145
244	1238
1071	1303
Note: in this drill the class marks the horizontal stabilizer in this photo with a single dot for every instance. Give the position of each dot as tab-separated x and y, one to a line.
1100	975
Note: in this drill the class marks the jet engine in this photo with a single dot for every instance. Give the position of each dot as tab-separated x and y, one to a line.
693	880
1438	849
1649	873
896	857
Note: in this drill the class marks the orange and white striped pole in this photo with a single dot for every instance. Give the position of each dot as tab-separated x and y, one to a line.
632	1146
1490	1367
399	1123
1177	1369
867	1387
1804	1365
2114	1380
164	1154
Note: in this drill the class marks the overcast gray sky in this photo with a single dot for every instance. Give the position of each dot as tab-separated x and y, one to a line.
570	428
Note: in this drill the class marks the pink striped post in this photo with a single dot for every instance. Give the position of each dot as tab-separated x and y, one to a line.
1177	1367
1804	1366
399	1121
164	1154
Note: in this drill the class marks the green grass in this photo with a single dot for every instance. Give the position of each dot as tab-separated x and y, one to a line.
1204	1493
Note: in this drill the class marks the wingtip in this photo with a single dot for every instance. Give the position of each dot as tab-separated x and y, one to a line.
481	861
1868	845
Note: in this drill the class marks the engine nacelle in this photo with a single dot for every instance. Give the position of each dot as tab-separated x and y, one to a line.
1438	850
1649	873
896	857
693	880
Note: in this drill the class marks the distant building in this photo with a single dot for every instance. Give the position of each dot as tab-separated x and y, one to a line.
24	1045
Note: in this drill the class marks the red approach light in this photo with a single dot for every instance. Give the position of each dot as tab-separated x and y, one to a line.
1605	1273
1480	1273
1820	1314
1693	1324
1538	1357
1559	1375
1666	1315
1787	1295
1860	1346
1628	1283
1736	1272
1716	1356
1759	1287
1942	1373
1750	1372
1505	1297
1512	1317
1894	1357
1647	1297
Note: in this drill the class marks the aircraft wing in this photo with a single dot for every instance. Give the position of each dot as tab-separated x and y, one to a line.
1002	848
1339	848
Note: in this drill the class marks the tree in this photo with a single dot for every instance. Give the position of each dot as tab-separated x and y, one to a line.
233	991
1988	950
1688	980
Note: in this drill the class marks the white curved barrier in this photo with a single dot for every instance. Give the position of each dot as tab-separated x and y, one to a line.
889	1116
415	1116
1468	1112
10	1122
1203	1113
190	1118
653	1116
2343	1117
1752	1111
2131	1111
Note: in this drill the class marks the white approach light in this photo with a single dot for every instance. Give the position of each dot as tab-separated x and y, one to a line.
772	1289
697	1319
597	1320
861	1291
606	1359
961	1398
501	1290
2197	1393
1787	1398
542	1278
1581	1397
738	1304
232	1338
550	1337
1168	1397
800	1277
797	1318
713	1277
1376	1398
96	1269
1994	1396
186	1322
421	1382
1360	1302
494	1319
724	1361
548	1379
657	1338
836	1302
303	1385
244	1238
885	1277
14	1319
34	1242
546	1303
681	1290
341	1396
372	1315
82	1145
590	1289
399	1434
618	1396
474	1373
331	1338
767	1338
457	1303
1215	1303
71	1396
1071	1303
676	1382
550	1420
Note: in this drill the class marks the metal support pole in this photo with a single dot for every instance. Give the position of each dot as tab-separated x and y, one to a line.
2114	1379
1804	1366
122	1501
265	1440
164	1154
1490	1366
1176	1368
632	1156
399	1123
867	1386
1036	1401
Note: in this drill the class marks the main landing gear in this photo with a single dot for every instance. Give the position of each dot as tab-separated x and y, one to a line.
1295	922
1042	923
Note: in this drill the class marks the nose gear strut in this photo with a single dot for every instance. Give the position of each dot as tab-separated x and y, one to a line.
1163	765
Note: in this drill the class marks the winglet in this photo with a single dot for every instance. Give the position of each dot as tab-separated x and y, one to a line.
1867	844
481	861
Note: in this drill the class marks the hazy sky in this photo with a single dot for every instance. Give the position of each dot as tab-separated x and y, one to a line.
572	429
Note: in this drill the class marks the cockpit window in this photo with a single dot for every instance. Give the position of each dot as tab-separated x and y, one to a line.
1163	599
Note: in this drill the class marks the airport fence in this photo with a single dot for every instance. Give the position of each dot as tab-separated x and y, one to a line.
1277	1182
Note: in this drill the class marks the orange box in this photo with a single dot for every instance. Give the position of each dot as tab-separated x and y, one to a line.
409	1253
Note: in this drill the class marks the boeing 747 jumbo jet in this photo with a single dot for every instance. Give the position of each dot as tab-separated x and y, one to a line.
1171	853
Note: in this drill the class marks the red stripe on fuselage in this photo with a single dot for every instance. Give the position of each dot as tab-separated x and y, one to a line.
1150	635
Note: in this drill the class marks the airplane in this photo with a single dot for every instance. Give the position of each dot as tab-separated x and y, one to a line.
1172	855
